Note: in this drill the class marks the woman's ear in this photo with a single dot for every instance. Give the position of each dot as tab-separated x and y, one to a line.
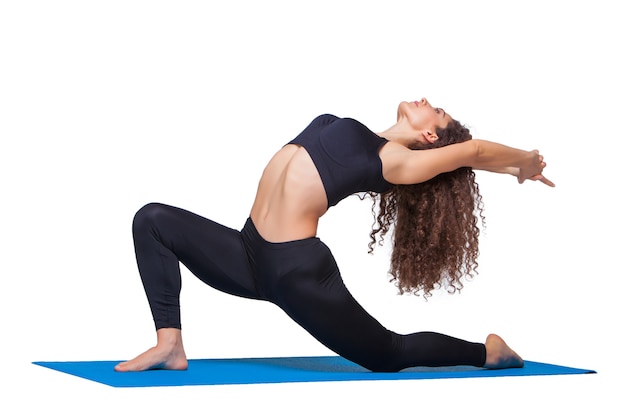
430	137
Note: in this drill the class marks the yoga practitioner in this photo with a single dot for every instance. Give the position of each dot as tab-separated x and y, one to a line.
420	173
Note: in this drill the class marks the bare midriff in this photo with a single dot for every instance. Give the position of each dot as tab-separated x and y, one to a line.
290	198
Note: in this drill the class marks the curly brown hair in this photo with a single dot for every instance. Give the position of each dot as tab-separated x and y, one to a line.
435	225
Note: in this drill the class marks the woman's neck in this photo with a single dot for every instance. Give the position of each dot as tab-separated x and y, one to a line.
400	133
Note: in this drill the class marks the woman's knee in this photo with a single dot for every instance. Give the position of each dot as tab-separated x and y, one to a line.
148	216
381	354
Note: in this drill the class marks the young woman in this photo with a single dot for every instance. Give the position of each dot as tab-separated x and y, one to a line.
420	169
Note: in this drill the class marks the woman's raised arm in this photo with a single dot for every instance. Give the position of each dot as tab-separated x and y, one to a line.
404	166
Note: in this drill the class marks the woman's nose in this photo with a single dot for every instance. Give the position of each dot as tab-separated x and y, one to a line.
424	101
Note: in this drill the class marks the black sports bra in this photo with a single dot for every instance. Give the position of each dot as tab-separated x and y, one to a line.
345	153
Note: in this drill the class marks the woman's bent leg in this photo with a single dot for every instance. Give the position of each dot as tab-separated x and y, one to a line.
165	236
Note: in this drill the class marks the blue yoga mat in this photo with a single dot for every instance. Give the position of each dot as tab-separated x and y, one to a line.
277	370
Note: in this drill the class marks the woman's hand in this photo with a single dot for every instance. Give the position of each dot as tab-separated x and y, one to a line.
533	170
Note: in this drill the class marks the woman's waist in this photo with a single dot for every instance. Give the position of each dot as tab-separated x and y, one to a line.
284	224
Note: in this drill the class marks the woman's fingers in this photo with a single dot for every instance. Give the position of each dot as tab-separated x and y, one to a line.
543	180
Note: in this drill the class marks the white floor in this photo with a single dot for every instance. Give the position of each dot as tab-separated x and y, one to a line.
107	106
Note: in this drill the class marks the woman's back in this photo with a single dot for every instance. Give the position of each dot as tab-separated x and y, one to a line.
290	197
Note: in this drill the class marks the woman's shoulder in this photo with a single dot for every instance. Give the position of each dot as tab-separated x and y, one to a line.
326	117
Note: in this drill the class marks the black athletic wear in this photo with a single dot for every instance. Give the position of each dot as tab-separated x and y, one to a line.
300	276
345	153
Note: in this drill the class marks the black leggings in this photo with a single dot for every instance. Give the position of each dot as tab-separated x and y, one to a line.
301	277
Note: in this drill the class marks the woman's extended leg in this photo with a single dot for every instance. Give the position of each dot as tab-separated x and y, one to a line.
314	295
165	236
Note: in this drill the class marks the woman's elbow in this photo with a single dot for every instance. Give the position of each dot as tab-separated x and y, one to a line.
475	153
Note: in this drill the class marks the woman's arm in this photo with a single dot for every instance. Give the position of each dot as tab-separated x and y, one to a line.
411	167
525	165
508	170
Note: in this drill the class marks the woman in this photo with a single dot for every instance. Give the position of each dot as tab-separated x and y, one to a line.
276	256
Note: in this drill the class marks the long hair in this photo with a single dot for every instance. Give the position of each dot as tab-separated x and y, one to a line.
434	225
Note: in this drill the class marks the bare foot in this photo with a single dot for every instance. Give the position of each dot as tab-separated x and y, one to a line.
167	354
500	355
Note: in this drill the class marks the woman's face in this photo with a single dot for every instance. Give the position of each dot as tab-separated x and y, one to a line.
423	117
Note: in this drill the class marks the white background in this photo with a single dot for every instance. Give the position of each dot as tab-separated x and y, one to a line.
108	105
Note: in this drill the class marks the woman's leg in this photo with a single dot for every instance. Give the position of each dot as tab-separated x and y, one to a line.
165	236
315	296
